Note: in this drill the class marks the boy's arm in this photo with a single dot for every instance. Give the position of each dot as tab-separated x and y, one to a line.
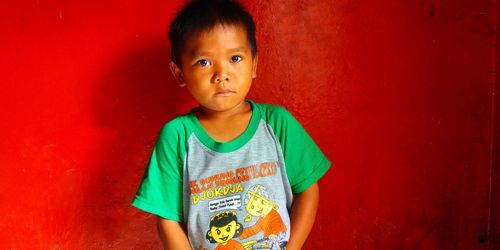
303	213
172	236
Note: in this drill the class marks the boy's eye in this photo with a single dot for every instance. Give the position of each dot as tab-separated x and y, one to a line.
203	62
236	59
228	228
217	231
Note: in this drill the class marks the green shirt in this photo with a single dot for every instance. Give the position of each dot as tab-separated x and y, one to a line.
204	183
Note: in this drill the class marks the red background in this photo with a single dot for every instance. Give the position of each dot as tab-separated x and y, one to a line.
398	94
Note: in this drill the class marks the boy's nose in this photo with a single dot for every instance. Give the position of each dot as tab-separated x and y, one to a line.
218	78
220	74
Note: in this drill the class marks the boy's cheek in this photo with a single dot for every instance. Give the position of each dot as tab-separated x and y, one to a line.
196	77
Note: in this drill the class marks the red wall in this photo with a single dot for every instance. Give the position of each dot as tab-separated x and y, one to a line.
399	94
495	190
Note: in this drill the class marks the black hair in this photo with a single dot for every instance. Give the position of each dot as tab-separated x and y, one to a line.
222	219
201	15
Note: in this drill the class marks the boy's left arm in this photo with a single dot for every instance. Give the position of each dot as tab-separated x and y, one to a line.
302	218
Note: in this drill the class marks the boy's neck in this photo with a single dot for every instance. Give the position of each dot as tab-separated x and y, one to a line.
213	115
225	126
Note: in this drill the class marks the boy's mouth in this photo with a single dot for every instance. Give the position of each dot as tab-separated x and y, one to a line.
224	93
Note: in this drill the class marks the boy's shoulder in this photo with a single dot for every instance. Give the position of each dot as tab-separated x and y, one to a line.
282	122
272	112
176	126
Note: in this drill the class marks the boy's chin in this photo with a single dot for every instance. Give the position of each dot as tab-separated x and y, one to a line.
223	107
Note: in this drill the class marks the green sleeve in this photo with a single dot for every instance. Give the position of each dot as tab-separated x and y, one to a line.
304	162
160	191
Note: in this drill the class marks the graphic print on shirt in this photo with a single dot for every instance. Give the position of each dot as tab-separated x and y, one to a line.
259	205
222	194
223	228
222	189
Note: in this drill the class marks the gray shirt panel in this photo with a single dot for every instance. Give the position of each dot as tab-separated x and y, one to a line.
218	186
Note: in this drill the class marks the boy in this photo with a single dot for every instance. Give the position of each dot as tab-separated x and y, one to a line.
229	157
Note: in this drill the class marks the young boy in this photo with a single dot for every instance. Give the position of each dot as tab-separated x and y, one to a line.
229	158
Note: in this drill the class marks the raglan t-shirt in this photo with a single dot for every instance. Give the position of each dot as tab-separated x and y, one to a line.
234	194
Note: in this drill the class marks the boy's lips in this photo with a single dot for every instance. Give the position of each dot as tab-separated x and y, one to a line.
223	93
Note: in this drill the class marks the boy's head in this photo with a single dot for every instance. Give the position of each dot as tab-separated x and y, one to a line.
198	16
214	53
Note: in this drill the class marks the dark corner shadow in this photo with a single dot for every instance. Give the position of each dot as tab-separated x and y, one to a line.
134	100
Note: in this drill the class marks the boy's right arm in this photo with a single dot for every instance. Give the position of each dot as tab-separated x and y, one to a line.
172	235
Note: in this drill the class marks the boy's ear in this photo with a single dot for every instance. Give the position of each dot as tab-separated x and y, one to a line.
254	66
177	72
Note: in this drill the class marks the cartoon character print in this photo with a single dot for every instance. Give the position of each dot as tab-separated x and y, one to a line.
223	228
258	204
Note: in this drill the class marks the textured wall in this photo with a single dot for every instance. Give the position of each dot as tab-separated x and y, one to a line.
399	94
495	192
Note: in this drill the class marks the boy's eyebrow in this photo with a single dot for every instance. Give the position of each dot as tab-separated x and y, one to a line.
198	53
238	49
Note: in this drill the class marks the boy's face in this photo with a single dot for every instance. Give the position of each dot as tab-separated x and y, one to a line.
217	67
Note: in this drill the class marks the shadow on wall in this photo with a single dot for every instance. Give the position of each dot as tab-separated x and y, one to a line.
135	99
